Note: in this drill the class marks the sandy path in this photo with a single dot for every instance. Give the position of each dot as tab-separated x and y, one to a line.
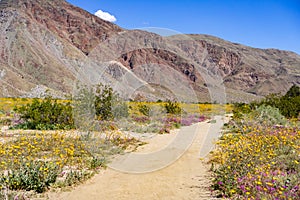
186	178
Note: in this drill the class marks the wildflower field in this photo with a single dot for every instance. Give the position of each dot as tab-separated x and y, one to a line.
56	155
258	163
154	117
258	156
36	160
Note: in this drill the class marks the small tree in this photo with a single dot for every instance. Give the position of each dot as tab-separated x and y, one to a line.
103	102
108	104
84	107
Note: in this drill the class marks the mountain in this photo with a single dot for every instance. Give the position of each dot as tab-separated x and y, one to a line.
51	46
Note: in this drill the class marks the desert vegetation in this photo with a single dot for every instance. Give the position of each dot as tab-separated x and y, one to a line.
258	155
44	150
43	147
47	114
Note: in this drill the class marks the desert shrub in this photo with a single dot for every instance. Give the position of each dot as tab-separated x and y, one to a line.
103	102
120	109
97	162
45	114
144	109
288	105
173	107
73	177
239	109
294	91
35	175
100	101
84	108
108	104
268	115
141	119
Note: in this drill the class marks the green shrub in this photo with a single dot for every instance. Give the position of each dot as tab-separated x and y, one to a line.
108	104
46	114
294	91
172	107
288	105
239	109
144	109
268	115
36	175
96	105
103	102
120	109
75	177
97	162
84	108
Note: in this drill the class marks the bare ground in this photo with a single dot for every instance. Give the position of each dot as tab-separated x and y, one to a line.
186	178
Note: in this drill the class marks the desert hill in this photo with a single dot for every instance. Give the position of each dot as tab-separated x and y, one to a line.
51	46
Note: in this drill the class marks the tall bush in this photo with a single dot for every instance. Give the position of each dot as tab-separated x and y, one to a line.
108	104
46	114
288	105
104	101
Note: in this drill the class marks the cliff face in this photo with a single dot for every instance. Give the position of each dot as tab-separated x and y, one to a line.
243	70
75	25
52	45
45	43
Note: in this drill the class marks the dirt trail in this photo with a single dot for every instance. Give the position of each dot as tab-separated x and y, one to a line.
186	178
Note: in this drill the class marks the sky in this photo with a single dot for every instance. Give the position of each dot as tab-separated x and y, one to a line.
256	23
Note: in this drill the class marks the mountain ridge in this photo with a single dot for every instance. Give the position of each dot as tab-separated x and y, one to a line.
53	45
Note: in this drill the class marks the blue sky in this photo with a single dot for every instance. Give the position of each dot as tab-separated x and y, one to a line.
256	23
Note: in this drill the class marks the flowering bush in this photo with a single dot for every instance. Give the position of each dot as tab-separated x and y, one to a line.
172	122
32	162
259	158
169	123
173	107
261	163
144	109
191	119
141	119
34	175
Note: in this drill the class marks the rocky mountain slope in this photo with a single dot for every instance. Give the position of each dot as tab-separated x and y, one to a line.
50	45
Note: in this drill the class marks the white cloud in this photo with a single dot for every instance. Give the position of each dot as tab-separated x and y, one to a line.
105	16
